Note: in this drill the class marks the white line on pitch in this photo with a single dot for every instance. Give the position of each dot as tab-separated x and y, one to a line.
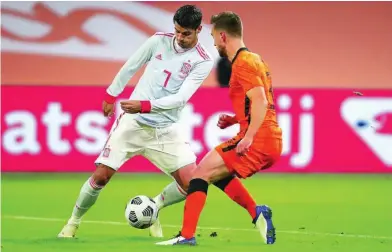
204	228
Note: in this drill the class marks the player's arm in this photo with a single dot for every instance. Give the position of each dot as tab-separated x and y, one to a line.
194	80
133	64
258	109
252	83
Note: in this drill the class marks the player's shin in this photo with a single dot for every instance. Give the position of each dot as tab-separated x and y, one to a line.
234	188
197	194
170	195
87	197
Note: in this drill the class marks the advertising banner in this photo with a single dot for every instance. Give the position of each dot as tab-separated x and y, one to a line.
62	129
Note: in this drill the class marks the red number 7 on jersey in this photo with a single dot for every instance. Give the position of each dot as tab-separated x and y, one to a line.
167	78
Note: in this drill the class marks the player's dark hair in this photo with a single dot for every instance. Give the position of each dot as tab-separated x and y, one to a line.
228	21
188	16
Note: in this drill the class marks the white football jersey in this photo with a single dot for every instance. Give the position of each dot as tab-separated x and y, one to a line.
169	80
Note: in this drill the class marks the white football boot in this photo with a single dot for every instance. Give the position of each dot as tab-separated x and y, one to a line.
68	231
178	240
156	229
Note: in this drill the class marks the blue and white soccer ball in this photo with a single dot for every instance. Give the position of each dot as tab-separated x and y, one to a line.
141	212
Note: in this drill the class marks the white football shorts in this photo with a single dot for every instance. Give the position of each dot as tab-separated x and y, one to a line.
166	147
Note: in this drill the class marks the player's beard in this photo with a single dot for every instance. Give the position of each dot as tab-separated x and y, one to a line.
183	45
222	52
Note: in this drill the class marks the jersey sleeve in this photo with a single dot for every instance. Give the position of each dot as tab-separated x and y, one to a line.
133	64
248	76
194	80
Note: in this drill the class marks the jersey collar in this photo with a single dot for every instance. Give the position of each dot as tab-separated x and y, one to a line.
238	52
178	52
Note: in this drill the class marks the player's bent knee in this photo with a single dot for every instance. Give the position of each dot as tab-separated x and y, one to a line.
203	172
184	184
103	174
209	167
184	175
213	173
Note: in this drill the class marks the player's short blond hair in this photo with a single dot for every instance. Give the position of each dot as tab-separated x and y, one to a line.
228	21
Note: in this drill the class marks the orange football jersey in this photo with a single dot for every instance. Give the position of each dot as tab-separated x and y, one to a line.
250	71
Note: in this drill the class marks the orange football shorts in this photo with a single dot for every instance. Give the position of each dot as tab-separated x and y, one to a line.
262	154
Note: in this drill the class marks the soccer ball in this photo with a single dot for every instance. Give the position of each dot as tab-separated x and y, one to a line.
141	212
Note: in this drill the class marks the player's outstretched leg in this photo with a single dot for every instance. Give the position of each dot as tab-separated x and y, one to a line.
210	170
170	195
231	186
87	197
173	193
197	194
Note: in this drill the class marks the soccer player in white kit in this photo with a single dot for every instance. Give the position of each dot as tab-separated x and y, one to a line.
176	67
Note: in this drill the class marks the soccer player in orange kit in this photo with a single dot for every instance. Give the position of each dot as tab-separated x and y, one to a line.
258	144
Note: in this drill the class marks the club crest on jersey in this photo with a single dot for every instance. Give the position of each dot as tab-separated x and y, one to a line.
185	69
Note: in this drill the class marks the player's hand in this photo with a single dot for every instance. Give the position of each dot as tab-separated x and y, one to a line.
131	107
244	145
108	109
226	121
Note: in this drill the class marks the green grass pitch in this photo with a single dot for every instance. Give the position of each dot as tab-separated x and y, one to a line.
318	212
